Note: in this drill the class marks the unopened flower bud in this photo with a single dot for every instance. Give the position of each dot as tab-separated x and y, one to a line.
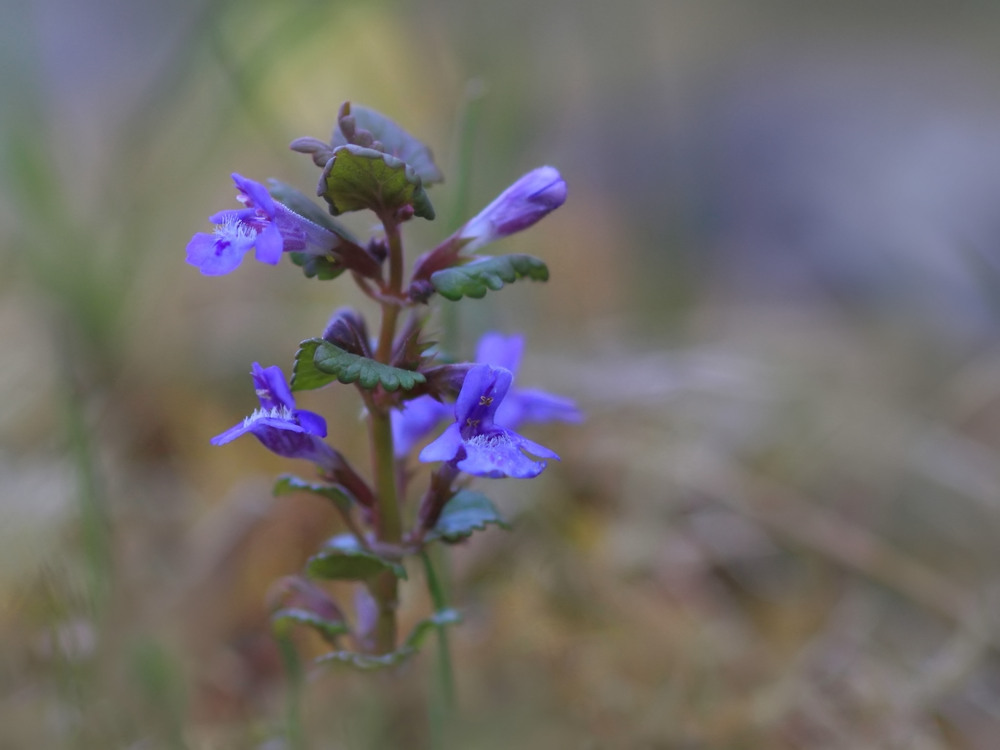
518	207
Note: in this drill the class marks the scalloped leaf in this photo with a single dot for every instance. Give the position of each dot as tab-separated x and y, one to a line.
342	558
422	629
394	140
346	367
466	512
370	662
365	662
357	177
318	266
306	376
475	278
289	483
283	620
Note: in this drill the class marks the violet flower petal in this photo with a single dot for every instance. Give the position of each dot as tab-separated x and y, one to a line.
484	388
311	422
445	448
500	351
269	245
536	406
498	455
271	387
219	253
255	195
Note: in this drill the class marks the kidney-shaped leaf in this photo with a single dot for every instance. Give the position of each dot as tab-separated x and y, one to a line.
466	512
358	177
288	483
284	619
342	558
306	376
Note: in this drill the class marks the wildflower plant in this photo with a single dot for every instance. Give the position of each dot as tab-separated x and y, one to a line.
464	415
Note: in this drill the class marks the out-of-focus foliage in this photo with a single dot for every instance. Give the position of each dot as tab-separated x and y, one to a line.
773	289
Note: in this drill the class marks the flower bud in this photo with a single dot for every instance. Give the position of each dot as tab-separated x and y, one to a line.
518	207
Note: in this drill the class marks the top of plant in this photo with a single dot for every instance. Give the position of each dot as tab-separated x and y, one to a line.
371	162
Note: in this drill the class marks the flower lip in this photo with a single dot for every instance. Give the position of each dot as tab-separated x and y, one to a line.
222	251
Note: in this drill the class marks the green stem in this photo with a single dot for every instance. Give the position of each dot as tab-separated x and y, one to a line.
293	699
390	312
446	674
390	525
384	588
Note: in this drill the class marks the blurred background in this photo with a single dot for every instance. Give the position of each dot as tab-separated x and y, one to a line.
775	292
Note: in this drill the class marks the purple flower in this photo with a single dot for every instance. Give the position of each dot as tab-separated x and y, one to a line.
522	405
518	207
475	443
421	415
279	426
264	224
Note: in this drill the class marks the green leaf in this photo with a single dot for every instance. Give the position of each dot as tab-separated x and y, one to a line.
318	266
346	367
358	177
283	620
395	141
466	512
288	483
423	628
369	662
366	662
342	558
306	376
305	207
473	279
